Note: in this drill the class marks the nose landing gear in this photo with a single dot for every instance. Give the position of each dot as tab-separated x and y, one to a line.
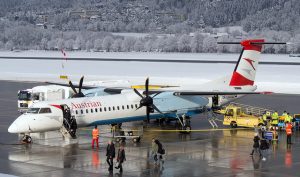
26	139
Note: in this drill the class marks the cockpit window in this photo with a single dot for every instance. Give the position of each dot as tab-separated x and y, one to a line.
33	110
45	110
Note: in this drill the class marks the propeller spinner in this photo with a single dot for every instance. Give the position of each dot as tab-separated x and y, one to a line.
147	101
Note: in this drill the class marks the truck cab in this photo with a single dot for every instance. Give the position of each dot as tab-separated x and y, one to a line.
234	116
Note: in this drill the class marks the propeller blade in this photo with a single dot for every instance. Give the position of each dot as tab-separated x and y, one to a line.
72	87
155	95
148	114
155	108
138	93
80	84
147	86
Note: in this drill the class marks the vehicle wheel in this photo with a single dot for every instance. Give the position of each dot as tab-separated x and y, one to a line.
233	125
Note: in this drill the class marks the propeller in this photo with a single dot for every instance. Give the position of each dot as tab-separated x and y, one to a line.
79	93
147	101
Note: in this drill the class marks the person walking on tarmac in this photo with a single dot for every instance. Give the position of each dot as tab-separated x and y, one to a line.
120	158
255	144
275	118
288	130
110	155
95	136
264	146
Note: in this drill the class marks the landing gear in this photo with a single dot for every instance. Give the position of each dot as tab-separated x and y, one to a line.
27	139
184	124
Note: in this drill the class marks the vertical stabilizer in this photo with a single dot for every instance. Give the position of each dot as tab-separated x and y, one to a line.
245	69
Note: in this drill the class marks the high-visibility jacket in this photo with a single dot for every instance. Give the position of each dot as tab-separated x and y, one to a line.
95	133
288	118
288	129
275	118
264	117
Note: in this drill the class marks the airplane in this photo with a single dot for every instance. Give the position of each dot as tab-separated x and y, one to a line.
126	104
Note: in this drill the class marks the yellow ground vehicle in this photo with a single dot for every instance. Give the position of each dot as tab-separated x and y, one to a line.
234	116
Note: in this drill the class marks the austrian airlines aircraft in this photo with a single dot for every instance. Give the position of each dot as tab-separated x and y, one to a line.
132	105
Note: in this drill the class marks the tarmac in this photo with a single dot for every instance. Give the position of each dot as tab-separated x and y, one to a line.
207	152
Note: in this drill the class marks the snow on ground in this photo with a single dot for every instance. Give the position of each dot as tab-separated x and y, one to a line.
277	78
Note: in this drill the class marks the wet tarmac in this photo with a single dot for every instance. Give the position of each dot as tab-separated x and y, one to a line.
205	153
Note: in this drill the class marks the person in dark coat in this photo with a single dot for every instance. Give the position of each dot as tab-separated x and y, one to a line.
121	158
255	144
264	146
110	154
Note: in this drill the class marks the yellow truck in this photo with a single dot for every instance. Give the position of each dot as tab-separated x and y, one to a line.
235	117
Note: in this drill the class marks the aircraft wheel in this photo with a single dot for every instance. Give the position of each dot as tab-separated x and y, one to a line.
136	140
186	129
27	139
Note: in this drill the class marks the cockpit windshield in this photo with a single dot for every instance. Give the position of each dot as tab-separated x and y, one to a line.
38	110
33	110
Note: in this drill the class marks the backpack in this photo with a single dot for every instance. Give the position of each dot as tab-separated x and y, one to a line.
160	150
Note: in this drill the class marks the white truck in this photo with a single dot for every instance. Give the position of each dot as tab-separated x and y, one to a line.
41	93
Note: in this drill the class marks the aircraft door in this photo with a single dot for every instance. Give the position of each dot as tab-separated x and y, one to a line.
69	121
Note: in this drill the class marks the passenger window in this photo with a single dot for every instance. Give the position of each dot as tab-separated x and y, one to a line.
131	106
108	108
122	107
81	111
100	109
87	111
136	106
104	108
91	110
96	110
45	110
127	106
113	108
76	112
118	108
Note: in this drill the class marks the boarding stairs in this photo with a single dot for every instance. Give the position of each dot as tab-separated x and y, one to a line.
252	110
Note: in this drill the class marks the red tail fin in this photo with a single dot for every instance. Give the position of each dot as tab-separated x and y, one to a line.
245	70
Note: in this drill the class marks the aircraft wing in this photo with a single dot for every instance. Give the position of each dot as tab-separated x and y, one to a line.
75	85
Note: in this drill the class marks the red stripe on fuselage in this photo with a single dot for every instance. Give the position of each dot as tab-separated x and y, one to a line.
239	80
57	106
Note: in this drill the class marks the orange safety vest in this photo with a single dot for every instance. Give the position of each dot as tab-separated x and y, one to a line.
95	133
288	129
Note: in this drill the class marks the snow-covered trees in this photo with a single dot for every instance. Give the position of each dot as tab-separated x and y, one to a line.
107	43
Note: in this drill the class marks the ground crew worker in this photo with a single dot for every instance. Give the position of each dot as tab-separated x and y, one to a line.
288	118
95	136
288	130
268	113
264	117
275	119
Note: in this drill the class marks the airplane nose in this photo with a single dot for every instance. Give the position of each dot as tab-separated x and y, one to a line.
13	128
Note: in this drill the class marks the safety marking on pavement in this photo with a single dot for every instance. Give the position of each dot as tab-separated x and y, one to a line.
201	130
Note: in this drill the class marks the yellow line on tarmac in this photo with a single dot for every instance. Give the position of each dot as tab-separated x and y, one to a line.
202	130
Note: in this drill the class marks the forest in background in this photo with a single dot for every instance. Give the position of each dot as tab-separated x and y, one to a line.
171	25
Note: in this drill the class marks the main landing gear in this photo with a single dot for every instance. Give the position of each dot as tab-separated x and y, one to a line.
184	124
